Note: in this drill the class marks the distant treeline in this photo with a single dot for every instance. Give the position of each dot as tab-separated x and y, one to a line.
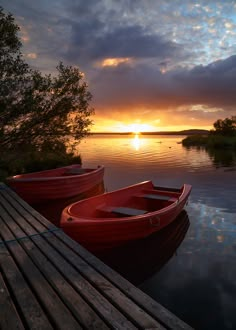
222	136
185	132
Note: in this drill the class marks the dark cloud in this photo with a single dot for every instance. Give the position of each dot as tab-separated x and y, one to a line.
212	85
130	41
170	45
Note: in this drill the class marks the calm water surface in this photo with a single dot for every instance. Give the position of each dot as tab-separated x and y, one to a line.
198	282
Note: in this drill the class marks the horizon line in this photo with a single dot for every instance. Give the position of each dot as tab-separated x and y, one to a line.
157	132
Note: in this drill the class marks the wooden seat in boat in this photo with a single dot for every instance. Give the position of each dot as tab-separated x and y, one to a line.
128	211
157	197
167	189
123	211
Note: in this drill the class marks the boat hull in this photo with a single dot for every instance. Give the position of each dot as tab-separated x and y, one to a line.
94	223
140	259
52	209
56	184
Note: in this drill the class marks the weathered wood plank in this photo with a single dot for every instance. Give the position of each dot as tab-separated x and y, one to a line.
158	197
25	301
80	309
76	265
128	211
91	280
10	318
59	314
9	196
112	294
124	211
167	189
165	317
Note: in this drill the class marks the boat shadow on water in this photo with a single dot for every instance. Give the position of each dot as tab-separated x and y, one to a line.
138	260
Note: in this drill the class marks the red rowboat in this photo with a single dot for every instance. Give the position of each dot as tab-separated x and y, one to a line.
60	183
127	214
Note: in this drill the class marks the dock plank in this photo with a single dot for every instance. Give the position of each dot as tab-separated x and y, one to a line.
108	306
79	307
59	314
59	276
10	318
153	308
111	292
22	297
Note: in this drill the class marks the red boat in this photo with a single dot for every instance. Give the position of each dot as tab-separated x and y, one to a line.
60	183
127	214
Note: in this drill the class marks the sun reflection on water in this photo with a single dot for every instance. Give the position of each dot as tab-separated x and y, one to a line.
136	142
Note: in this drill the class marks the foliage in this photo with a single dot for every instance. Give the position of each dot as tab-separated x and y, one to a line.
224	136
195	140
35	110
221	141
210	141
33	160
14	73
225	127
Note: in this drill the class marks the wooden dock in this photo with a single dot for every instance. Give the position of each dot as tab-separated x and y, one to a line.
48	281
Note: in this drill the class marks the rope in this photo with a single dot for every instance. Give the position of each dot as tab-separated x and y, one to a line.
29	236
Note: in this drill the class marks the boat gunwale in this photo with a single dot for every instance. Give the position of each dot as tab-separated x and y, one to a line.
186	190
20	178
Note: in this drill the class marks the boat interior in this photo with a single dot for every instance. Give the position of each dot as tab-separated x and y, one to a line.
144	201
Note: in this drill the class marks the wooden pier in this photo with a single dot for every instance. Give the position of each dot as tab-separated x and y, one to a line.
48	281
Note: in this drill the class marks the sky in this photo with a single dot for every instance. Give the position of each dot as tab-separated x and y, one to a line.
151	65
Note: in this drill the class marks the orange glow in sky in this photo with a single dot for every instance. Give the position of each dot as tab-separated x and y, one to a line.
138	126
145	74
115	61
112	125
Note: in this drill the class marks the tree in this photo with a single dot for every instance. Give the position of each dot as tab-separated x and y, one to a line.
225	127
13	71
38	110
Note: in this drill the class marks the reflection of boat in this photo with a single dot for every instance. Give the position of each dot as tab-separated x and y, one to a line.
59	183
123	215
140	259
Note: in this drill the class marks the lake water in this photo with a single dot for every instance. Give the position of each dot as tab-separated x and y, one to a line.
197	282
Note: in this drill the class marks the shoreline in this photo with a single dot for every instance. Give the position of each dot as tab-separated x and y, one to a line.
185	132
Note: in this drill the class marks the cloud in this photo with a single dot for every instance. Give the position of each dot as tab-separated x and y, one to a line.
31	55
213	84
145	86
82	32
130	41
139	56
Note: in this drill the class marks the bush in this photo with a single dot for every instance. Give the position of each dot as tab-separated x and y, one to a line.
33	161
195	140
210	141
